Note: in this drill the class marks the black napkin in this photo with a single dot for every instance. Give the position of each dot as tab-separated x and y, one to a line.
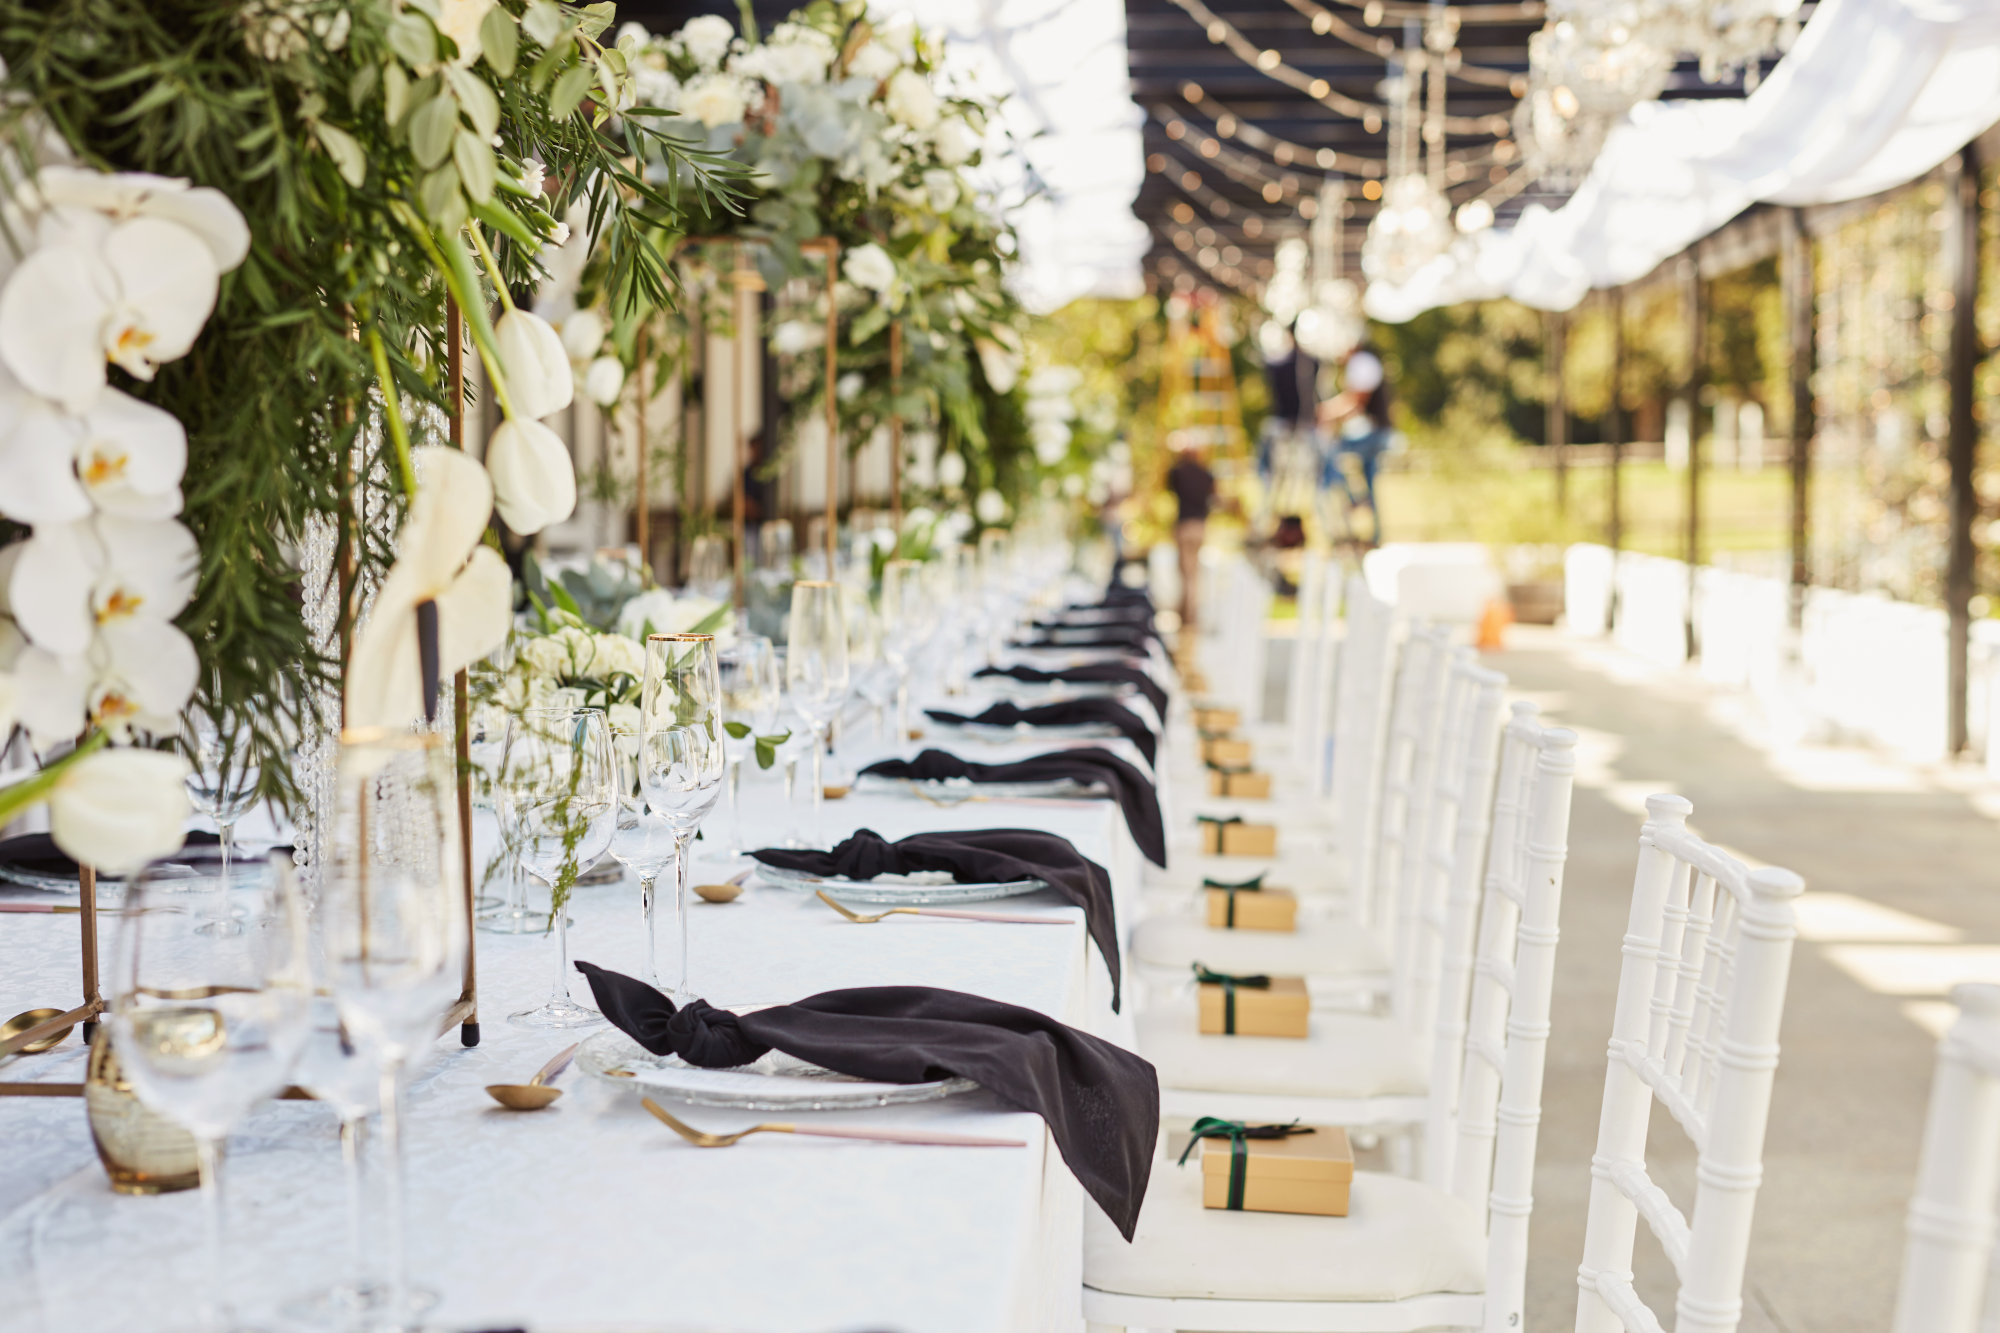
1101	1103
1131	638
1133	791
996	854
1070	712
38	853
1109	673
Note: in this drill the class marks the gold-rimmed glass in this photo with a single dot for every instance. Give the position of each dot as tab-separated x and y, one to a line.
816	671
681	766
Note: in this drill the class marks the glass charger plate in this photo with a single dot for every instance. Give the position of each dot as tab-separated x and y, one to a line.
1069	731
51	883
951	791
773	1082
920	890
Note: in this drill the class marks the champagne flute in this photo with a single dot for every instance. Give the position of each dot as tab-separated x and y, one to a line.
644	844
392	930
709	571
559	802
905	614
748	674
207	1025
221	783
816	671
867	663
681	760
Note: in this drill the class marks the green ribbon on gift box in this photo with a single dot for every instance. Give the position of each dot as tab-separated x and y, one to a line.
1229	985
1255	884
1238	1134
1229	770
1218	820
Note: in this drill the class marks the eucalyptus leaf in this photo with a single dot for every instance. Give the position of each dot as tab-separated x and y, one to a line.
431	129
473	157
395	92
475	97
500	40
544	22
737	730
348	158
414	40
592	20
567	94
437	191
362	86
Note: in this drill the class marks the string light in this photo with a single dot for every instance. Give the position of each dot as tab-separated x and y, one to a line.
1283	151
1327	23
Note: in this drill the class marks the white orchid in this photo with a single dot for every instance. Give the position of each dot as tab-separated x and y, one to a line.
910	100
539	380
706	39
70	579
119	809
122	456
604	380
534	481
138	672
120	196
439	558
869	266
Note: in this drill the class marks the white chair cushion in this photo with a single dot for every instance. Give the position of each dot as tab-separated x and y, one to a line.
1335	946
1346	1056
1400	1239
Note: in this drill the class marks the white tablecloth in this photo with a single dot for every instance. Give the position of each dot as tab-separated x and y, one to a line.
591	1214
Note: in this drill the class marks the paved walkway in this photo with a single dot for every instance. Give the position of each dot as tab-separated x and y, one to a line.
1900	866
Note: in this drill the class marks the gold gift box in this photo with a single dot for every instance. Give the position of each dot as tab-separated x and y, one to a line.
1225	752
1304	1173
1245	785
1283	1009
1253	909
1239	839
1215	721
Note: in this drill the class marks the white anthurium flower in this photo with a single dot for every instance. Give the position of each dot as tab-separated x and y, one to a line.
910	100
208	213
439	558
119	809
460	20
71	579
539	380
135	673
951	471
706	39
869	266
583	334
534	481
990	507
138	298
604	380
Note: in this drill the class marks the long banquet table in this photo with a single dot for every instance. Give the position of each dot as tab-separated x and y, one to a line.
591	1215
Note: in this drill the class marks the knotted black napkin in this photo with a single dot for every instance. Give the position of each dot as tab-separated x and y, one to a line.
1093	673
1070	712
1134	793
1124	638
1101	1103
994	855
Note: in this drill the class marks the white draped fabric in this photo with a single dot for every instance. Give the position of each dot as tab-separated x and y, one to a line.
1874	94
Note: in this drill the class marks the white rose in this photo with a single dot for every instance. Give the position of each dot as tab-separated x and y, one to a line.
460	20
531	354
604	380
706	39
954	142
544	655
714	99
990	507
869	266
848	387
872	61
583	334
951	471
657	87
654	608
534	482
795	336
624	721
615	654
909	100
118	809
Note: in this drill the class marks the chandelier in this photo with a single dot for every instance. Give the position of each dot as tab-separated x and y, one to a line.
1586	69
1727	36
1413	225
1333	325
1412	228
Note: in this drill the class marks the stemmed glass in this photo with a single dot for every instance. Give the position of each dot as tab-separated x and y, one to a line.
681	760
867	659
392	932
906	619
709	571
644	844
559	804
208	1025
816	671
221	783
748	673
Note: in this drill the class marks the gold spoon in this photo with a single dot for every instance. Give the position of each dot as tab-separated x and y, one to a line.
870	918
536	1092
21	1022
701	1139
725	892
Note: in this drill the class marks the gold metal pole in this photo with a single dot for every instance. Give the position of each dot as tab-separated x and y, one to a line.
742	282
467	1009
830	247
896	430
642	517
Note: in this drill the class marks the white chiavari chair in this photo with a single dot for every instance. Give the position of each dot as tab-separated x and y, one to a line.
1707	955
1410	1255
1949	1256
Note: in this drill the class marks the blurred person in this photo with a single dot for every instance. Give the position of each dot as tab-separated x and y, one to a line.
1361	413
1193	486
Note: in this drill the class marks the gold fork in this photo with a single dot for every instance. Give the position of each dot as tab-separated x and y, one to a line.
870	918
935	1137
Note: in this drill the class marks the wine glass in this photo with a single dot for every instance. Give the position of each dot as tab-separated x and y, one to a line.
207	1025
816	670
644	843
681	760
906	616
559	805
221	783
391	928
748	674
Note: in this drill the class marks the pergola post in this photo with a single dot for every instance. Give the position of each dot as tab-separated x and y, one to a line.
1961	175
1556	430
1694	313
1614	424
1798	304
